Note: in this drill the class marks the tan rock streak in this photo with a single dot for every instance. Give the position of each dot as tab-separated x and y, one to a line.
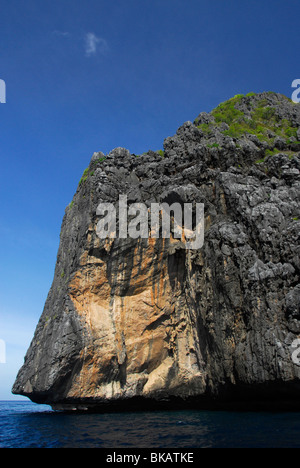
133	338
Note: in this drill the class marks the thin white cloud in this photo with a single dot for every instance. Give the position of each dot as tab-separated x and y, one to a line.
94	45
61	33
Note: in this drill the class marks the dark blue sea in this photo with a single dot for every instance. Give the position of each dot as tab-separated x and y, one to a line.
27	425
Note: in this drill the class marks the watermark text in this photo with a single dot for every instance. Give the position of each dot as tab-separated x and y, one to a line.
2	352
296	352
296	93
2	92
182	221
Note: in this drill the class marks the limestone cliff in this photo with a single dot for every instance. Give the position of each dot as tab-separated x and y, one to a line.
147	320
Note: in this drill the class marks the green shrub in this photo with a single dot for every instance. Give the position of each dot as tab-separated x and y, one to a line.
206	128
227	114
235	131
238	96
252	124
84	176
268	113
259	161
262	103
291	132
271	153
264	114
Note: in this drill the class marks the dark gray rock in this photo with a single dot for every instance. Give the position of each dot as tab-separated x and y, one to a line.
226	314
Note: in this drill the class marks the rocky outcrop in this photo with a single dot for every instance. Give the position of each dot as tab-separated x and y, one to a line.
147	321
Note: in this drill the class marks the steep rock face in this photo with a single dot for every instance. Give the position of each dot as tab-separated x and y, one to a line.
148	320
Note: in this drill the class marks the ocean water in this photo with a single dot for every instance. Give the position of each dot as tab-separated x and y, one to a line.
27	425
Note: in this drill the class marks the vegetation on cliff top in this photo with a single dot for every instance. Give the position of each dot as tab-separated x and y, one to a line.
244	115
253	116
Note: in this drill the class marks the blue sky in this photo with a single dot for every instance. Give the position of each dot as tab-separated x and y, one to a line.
91	76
